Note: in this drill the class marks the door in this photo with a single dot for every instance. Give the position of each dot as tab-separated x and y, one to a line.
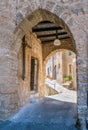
34	74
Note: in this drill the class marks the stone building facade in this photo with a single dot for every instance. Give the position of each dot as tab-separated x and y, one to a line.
17	18
60	65
33	51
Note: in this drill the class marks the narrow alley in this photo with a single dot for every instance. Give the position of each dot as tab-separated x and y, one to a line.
49	113
43	64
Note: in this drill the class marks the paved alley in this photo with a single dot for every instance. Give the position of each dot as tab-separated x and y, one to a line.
48	114
57	112
64	93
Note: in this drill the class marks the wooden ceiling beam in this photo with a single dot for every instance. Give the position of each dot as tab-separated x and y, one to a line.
46	29
50	35
50	32
53	37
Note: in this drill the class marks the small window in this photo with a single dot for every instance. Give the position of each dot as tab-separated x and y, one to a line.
48	70
70	69
59	66
70	53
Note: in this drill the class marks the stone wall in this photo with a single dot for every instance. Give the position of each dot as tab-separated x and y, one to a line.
50	91
72	13
36	52
69	60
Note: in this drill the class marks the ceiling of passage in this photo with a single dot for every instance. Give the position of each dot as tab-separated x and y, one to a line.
47	32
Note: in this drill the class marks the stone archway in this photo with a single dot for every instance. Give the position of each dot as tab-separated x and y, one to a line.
53	52
41	15
38	16
54	12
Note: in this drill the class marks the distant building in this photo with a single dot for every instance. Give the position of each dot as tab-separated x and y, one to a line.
61	65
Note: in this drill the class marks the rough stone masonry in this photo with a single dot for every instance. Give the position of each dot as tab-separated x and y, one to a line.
17	17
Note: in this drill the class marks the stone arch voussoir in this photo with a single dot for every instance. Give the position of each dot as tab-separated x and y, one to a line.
36	17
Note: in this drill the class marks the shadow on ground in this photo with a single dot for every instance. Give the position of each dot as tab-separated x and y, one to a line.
47	114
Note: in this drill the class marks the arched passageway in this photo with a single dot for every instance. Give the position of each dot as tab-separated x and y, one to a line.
32	41
38	42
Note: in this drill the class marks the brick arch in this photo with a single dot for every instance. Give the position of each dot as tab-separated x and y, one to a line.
36	17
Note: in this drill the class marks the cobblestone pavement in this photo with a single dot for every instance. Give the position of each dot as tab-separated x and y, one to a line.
45	114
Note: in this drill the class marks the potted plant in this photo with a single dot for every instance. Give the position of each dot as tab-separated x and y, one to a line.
68	78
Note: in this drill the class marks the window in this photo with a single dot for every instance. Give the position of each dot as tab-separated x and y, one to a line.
70	69
48	71
70	53
59	66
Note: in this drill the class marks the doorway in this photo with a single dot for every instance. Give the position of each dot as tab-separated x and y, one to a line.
34	75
